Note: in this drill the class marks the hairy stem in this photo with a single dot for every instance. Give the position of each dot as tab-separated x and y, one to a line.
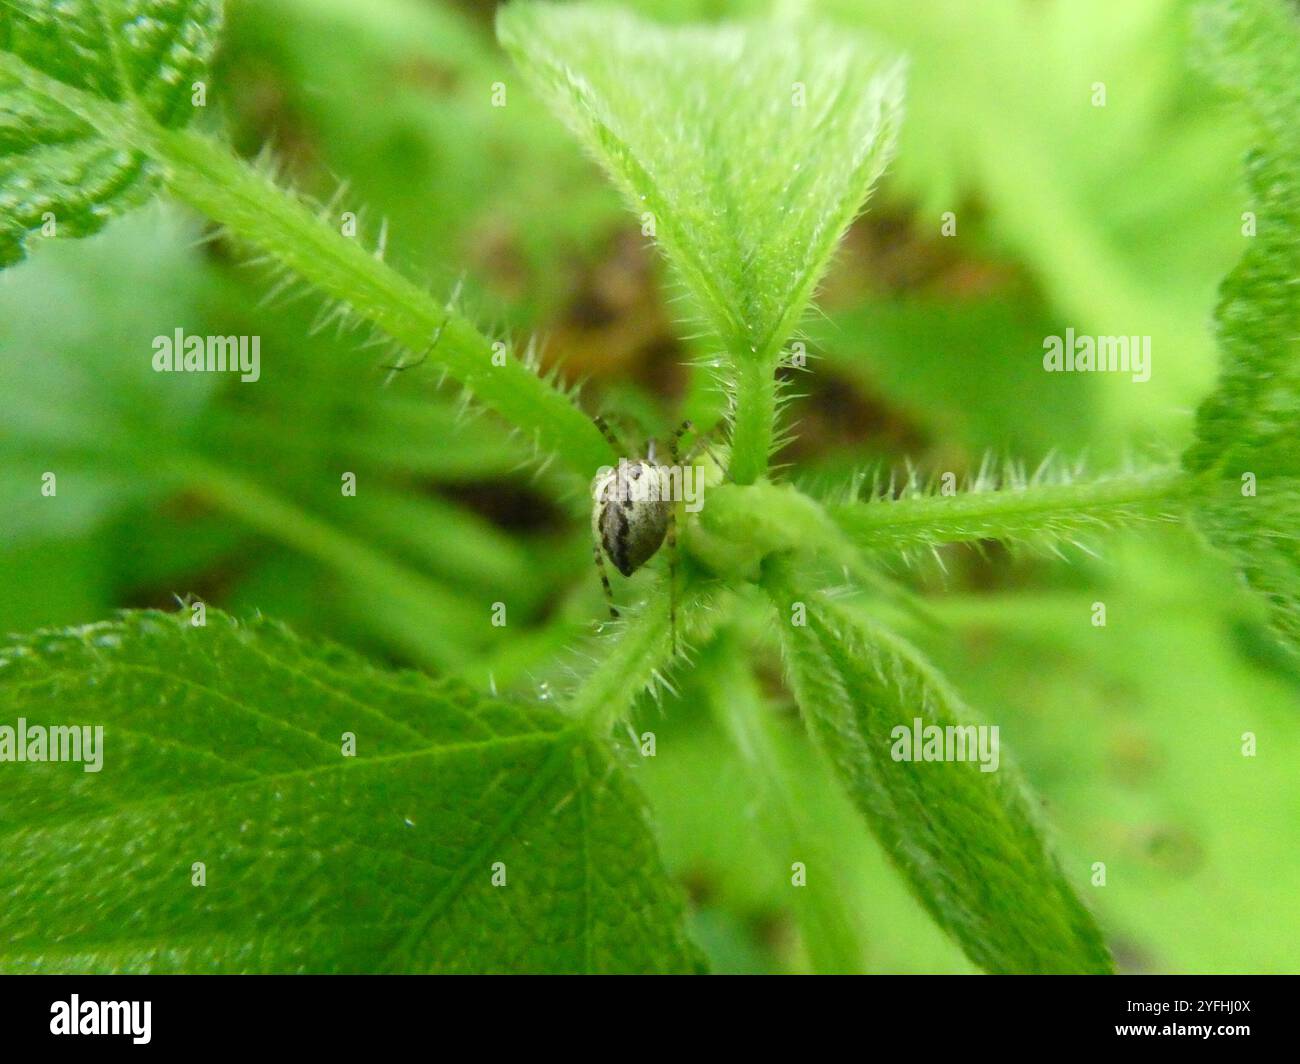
638	655
1015	512
208	176
754	419
632	660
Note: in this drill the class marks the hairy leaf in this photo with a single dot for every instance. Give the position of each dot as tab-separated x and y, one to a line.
748	146
1261	534
223	744
965	839
59	174
1254	48
1247	430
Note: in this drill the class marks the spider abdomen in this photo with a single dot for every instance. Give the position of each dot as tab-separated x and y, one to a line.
631	515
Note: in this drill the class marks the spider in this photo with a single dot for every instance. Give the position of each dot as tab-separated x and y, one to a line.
635	510
635	502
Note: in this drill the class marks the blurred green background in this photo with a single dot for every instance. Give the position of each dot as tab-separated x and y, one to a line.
1112	220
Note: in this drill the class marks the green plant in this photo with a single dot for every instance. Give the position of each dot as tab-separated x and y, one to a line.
747	150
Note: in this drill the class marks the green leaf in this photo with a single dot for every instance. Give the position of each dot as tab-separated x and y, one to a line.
965	839
222	745
56	166
1246	431
1253	46
1258	533
748	147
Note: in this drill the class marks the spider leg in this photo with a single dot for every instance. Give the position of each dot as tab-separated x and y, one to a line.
610	438
672	537
701	444
672	575
437	335
604	580
401	367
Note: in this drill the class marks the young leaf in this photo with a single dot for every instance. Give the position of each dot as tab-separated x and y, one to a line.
746	149
1246	431
224	744
964	838
59	174
752	146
